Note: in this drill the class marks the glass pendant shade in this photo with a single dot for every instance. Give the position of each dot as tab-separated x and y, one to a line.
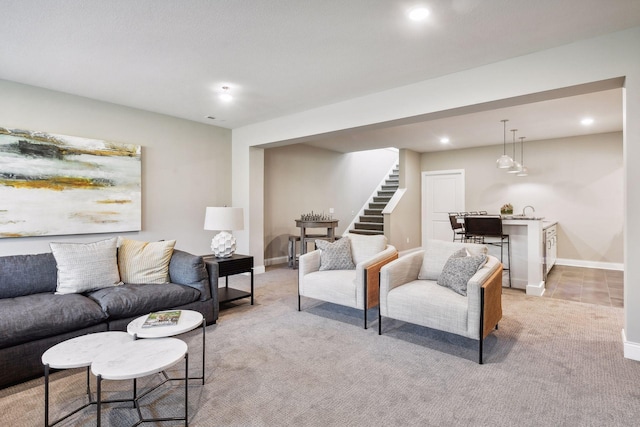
504	161
524	171
515	166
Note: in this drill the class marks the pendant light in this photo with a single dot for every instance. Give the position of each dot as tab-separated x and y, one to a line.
524	171
515	167
504	162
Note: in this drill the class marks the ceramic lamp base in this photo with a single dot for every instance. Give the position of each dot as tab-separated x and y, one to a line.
223	244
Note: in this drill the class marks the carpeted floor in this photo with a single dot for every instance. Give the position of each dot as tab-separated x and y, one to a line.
551	363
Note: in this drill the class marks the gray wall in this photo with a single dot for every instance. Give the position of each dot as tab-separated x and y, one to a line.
299	179
577	181
186	166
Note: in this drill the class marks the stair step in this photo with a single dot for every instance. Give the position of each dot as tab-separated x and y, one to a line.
384	200
386	193
372	218
366	232
373	211
389	188
368	226
377	205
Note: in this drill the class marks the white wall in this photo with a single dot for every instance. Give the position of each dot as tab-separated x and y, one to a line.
577	181
586	61
185	165
299	179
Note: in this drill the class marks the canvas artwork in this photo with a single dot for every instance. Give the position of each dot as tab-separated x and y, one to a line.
55	184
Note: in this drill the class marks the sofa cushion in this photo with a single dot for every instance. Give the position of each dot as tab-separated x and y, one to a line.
335	255
27	274
144	262
190	270
437	252
134	300
86	266
31	317
458	270
364	247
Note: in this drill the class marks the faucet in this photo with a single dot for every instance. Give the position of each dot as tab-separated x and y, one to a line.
525	208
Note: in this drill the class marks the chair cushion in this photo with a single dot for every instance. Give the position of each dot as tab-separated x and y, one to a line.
425	303
32	317
134	300
364	247
458	270
437	252
84	267
144	262
335	286
335	255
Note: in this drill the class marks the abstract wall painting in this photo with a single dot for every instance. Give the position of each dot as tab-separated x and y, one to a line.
55	184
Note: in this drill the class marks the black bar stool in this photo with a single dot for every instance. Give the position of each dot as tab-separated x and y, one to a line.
457	227
480	227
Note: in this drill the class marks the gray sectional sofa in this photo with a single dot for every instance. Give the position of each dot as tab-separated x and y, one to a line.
33	318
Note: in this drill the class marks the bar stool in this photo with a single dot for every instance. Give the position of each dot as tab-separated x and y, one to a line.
457	227
480	227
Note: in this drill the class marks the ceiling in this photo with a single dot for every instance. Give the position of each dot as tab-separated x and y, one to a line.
279	57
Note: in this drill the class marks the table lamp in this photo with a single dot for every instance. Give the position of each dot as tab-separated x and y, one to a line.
225	219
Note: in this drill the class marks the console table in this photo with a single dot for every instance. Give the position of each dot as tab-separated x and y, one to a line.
235	264
328	225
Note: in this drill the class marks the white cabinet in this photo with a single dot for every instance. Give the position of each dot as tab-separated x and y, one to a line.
551	247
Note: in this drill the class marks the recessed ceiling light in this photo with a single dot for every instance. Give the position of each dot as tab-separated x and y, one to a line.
586	121
225	95
419	13
444	140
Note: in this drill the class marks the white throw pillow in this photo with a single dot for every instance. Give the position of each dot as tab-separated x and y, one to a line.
437	252
85	267
364	247
144	262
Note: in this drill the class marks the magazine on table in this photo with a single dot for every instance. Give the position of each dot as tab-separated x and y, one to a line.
162	318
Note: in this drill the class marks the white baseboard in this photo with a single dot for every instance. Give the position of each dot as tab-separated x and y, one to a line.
631	349
276	260
590	264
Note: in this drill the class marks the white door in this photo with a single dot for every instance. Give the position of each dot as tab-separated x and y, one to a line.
442	192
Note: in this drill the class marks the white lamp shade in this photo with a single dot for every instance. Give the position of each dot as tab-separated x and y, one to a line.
224	218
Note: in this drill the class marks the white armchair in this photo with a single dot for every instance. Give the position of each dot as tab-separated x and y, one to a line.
409	292
357	288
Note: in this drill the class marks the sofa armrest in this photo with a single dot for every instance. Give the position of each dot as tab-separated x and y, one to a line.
189	270
212	272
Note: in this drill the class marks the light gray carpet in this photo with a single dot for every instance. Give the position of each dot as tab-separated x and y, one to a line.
551	363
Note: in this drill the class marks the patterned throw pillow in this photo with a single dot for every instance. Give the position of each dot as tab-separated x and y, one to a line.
85	267
145	262
336	255
458	270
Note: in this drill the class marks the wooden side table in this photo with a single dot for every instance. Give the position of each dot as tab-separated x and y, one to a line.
235	264
329	226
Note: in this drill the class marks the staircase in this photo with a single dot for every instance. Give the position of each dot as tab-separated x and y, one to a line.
372	222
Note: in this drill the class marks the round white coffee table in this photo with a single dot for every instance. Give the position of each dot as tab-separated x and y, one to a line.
78	352
139	358
188	321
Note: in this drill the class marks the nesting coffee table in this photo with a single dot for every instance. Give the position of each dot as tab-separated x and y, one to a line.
137	359
188	321
79	352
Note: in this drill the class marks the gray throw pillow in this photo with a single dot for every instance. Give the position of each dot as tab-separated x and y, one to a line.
458	270
336	255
